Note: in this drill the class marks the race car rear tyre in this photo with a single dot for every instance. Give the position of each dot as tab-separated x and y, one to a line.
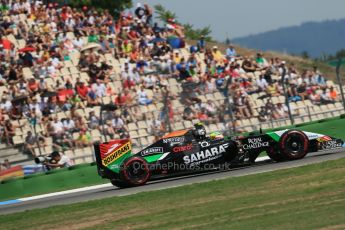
294	144
120	184
275	155
135	171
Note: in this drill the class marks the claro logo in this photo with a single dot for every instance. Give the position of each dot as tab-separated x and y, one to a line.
178	149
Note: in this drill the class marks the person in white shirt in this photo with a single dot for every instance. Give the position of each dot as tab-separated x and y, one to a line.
5	104
78	42
262	83
59	161
58	126
99	89
69	124
142	97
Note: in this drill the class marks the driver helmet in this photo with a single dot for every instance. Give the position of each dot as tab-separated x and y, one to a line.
199	130
216	136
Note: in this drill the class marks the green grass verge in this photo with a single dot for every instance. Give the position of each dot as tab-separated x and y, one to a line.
55	181
307	197
81	176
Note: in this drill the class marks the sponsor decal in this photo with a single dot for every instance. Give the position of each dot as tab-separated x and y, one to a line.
111	149
205	155
178	149
255	143
331	144
313	135
117	154
16	171
173	140
204	144
152	150
324	138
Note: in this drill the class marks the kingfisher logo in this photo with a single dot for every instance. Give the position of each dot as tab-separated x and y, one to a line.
117	154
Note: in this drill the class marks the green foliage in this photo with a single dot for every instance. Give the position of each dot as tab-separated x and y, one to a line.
190	32
339	55
305	55
164	14
195	34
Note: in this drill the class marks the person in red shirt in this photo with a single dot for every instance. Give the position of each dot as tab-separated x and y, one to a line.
120	99
6	44
82	90
33	85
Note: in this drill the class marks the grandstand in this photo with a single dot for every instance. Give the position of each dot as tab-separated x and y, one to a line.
57	53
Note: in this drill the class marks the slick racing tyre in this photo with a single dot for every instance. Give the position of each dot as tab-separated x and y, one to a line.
294	144
120	183
135	171
275	155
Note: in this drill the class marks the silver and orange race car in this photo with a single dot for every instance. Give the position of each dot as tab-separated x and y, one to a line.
190	151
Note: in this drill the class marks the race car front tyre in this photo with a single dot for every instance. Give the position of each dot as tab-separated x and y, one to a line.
294	144
135	171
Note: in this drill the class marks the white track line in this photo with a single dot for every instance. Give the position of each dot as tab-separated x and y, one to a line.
88	188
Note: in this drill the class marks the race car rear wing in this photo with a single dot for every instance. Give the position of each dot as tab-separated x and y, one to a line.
110	155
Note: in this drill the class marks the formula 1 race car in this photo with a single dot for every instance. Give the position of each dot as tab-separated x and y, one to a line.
191	150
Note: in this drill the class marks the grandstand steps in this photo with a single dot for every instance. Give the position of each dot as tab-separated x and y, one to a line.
15	156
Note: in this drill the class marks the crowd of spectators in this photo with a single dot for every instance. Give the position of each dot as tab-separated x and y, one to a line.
60	59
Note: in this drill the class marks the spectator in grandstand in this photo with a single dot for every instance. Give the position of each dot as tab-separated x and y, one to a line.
211	108
261	61
142	97
82	90
325	97
58	126
30	142
157	128
293	94
6	164
5	105
230	52
302	90
60	161
69	125
240	99
189	114
92	98
201	44
280	111
273	91
83	140
217	55
333	94
249	66
94	120
119	127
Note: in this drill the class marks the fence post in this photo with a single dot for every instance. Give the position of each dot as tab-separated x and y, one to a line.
286	96
339	81
309	115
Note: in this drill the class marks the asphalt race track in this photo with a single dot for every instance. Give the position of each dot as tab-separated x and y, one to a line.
169	183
